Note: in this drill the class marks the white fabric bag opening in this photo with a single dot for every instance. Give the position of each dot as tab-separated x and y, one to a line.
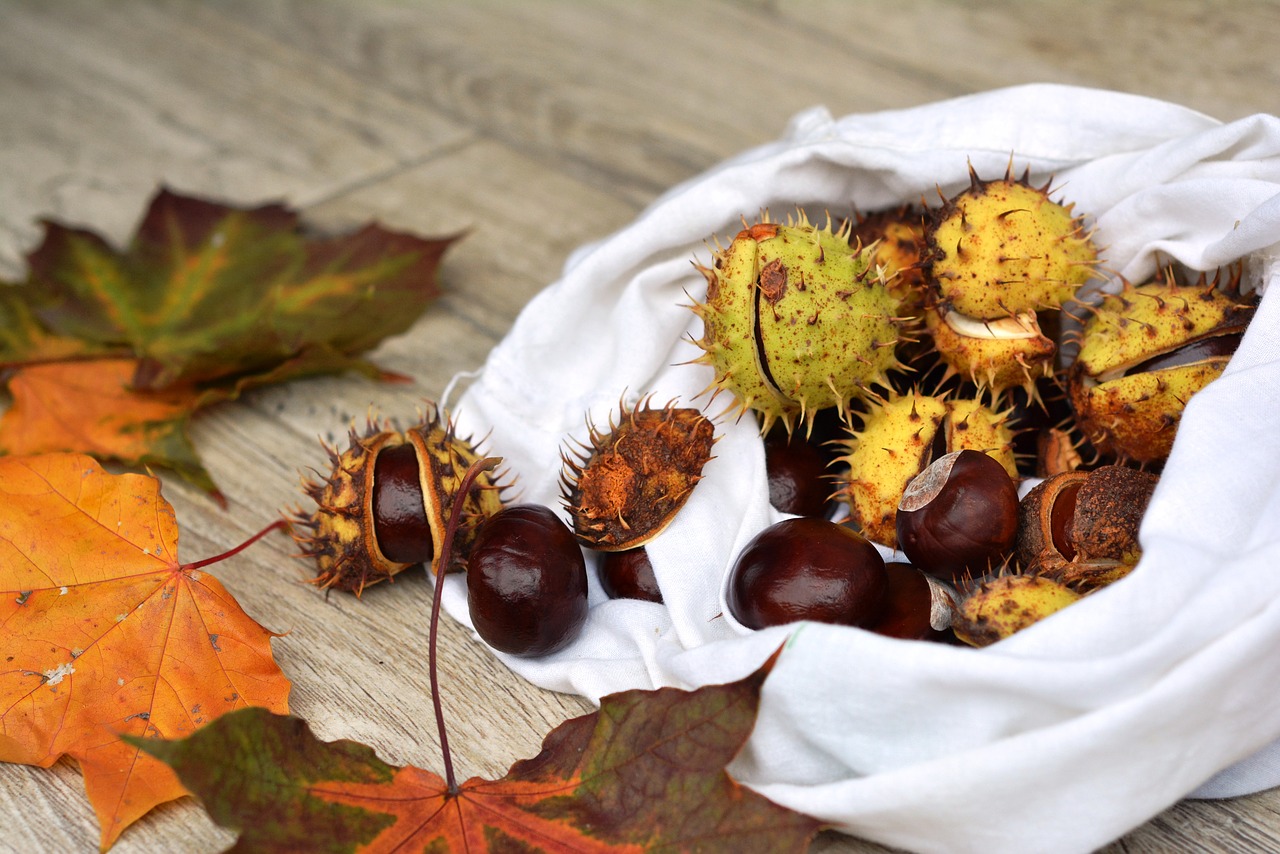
1064	736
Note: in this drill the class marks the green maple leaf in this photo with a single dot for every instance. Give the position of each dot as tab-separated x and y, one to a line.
645	771
206	291
207	300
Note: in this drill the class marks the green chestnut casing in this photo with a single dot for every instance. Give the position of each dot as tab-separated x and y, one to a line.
797	320
1143	354
996	254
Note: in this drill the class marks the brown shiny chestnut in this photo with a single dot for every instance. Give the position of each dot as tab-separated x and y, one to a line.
628	574
526	581
799	482
1081	528
916	607
399	517
807	569
958	517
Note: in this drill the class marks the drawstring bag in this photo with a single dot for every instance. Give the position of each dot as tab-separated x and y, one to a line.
1065	735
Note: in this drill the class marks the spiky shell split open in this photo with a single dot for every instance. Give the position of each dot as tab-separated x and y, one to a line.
340	534
1143	354
900	436
627	483
997	255
796	320
998	354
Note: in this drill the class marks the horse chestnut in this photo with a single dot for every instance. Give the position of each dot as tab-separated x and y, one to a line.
958	516
1081	528
912	610
384	504
526	582
807	569
799	482
629	574
399	518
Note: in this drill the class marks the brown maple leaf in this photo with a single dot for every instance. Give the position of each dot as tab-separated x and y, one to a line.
646	771
104	633
207	300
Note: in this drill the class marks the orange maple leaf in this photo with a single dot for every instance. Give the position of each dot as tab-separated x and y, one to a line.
90	407
103	632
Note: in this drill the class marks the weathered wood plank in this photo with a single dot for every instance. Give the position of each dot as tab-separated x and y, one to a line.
538	127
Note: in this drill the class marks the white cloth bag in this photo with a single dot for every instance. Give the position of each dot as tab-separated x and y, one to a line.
1067	734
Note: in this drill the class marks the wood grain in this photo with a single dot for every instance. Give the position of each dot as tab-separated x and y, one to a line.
534	127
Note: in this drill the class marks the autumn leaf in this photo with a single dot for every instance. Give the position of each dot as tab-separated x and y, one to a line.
645	771
23	338
104	633
92	407
211	298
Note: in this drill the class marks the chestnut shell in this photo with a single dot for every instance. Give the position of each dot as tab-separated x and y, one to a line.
526	582
807	569
1076	525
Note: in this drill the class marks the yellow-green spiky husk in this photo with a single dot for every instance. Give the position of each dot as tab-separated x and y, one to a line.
797	320
1002	247
1000	606
1124	407
997	254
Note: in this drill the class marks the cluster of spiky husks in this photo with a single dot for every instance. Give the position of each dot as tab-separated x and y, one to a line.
999	254
989	278
1145	351
797	320
342	535
900	436
626	484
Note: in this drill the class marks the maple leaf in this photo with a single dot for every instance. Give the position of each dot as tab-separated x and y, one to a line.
644	771
104	633
91	406
211	298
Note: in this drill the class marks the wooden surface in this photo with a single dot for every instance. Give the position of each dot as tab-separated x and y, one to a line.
538	126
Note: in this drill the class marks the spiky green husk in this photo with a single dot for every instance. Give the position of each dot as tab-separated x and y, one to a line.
1002	247
1006	604
1125	409
797	320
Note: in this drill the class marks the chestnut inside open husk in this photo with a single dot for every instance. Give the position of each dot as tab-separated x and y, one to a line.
399	518
526	582
1081	528
959	517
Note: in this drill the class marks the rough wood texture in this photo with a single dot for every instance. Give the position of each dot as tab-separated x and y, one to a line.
537	126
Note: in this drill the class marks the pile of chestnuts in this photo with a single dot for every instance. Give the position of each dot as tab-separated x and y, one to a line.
897	367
